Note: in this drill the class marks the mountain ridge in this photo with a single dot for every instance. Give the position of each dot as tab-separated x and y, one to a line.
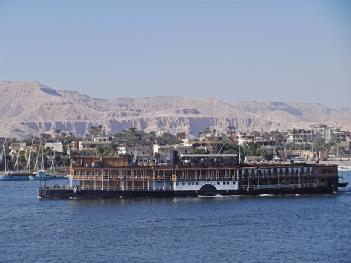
31	108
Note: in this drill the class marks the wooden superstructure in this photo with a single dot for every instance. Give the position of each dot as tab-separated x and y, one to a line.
114	174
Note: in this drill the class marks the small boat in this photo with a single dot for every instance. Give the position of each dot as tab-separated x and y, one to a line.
266	195
42	175
15	176
344	168
341	182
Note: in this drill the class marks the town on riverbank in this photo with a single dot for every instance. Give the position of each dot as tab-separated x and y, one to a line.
53	151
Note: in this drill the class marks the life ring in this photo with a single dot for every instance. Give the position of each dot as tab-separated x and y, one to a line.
158	177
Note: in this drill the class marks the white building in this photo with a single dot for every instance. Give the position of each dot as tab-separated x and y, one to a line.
300	136
164	151
140	152
54	146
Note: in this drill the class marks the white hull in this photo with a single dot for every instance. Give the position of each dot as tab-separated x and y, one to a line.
196	185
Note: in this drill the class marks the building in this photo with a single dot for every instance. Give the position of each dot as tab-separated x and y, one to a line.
92	145
140	152
244	138
164	151
300	136
331	134
102	139
54	146
18	146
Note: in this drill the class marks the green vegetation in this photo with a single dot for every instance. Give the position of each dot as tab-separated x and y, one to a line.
167	138
200	151
250	149
133	136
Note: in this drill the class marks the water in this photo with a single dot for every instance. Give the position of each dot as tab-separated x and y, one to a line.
231	229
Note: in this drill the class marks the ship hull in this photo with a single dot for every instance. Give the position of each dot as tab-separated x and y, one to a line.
71	193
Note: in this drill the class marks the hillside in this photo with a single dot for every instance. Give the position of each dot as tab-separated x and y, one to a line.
29	107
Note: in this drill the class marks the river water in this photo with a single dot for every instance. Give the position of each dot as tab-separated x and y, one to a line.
229	229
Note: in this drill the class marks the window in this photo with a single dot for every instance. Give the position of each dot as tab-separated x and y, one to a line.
218	183
197	183
183	183
189	183
223	182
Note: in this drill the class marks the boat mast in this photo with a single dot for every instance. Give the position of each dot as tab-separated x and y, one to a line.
17	157
4	154
42	161
36	165
52	167
29	157
239	154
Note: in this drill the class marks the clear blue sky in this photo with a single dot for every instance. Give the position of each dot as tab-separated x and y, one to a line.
294	51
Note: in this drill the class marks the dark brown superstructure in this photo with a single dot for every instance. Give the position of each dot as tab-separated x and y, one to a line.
95	177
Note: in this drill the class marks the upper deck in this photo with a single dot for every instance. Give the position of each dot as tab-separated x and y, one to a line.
96	168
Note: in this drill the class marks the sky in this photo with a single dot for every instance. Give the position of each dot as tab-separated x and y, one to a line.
292	51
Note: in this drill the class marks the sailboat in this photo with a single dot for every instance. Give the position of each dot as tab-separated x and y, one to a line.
42	174
15	174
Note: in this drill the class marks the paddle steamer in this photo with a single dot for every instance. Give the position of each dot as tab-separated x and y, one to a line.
191	175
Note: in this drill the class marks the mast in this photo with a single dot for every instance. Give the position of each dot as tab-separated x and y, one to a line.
53	161
52	167
36	165
239	155
4	150
42	161
29	157
17	157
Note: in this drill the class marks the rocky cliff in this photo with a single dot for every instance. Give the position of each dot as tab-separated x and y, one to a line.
32	108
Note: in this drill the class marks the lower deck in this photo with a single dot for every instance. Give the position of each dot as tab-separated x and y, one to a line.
77	193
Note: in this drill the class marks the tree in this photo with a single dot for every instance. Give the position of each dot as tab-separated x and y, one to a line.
168	139
106	150
63	160
96	131
199	151
133	136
